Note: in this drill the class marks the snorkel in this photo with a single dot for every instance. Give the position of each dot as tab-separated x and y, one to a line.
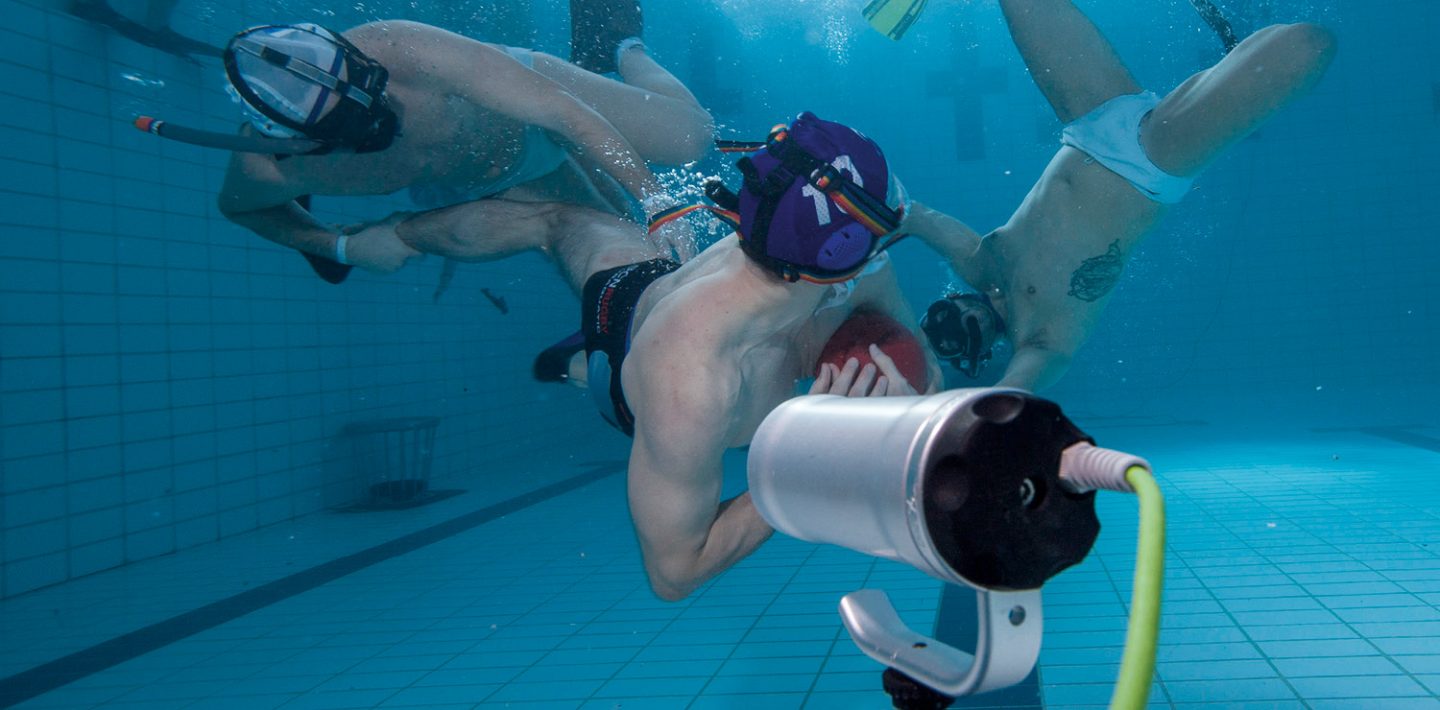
992	489
331	99
818	201
962	329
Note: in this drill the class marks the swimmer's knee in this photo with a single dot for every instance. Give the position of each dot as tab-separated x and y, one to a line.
698	137
1305	40
1310	38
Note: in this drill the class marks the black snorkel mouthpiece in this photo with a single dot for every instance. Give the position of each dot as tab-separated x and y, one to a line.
958	333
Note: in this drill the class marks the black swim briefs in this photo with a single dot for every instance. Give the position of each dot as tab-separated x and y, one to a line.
607	306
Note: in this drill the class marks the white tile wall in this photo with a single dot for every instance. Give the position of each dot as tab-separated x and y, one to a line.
166	379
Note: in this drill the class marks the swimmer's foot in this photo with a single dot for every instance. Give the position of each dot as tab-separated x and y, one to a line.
165	40
597	30
553	363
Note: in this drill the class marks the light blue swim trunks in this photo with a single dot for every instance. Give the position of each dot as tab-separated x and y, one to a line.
539	156
1111	135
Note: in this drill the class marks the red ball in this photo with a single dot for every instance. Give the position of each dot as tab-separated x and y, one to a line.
857	333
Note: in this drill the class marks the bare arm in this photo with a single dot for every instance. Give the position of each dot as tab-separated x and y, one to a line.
953	239
256	197
687	534
685	399
1034	368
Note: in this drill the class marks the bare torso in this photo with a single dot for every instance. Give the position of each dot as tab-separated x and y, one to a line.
1051	269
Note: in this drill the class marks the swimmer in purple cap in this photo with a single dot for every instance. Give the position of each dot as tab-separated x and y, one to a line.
689	359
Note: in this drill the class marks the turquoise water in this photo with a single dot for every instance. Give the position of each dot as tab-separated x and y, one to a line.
174	394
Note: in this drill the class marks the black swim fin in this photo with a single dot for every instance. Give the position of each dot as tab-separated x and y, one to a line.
332	271
553	363
596	29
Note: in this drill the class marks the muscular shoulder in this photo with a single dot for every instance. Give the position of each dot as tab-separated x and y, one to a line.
679	375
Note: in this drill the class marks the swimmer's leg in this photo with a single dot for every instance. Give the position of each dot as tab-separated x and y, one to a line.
1072	63
597	27
653	110
159	36
581	241
1214	109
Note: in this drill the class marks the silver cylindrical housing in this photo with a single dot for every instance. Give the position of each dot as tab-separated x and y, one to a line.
850	471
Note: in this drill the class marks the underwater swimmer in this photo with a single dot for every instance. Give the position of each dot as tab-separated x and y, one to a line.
689	359
1046	275
406	105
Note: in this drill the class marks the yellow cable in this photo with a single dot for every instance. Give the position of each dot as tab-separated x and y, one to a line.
1137	668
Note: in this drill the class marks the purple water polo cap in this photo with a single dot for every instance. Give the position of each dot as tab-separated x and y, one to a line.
814	201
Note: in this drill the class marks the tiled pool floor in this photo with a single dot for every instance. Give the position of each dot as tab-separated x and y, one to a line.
1302	573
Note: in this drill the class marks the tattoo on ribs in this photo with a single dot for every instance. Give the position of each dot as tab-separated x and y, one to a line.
1098	274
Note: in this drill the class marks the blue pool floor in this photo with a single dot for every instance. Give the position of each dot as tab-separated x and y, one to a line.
1302	573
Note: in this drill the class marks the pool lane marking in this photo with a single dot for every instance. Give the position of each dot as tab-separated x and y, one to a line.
65	670
1397	434
1401	436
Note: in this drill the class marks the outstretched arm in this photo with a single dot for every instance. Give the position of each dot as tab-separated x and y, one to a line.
953	239
256	197
1034	368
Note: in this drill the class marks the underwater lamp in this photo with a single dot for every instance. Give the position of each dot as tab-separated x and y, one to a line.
989	488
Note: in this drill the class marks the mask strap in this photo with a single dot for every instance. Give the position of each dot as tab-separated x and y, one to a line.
664	217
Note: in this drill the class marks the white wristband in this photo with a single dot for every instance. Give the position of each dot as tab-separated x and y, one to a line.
340	248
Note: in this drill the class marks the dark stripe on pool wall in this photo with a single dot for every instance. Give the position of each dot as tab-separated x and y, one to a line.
1408	438
958	624
47	677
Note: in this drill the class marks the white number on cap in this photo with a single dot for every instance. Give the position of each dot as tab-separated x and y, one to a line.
822	205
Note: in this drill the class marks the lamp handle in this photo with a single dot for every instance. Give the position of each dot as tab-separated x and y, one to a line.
1011	627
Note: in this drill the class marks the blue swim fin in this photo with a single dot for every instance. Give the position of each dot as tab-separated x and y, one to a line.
893	18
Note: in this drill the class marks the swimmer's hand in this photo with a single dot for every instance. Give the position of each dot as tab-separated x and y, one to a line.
375	247
855	381
675	237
